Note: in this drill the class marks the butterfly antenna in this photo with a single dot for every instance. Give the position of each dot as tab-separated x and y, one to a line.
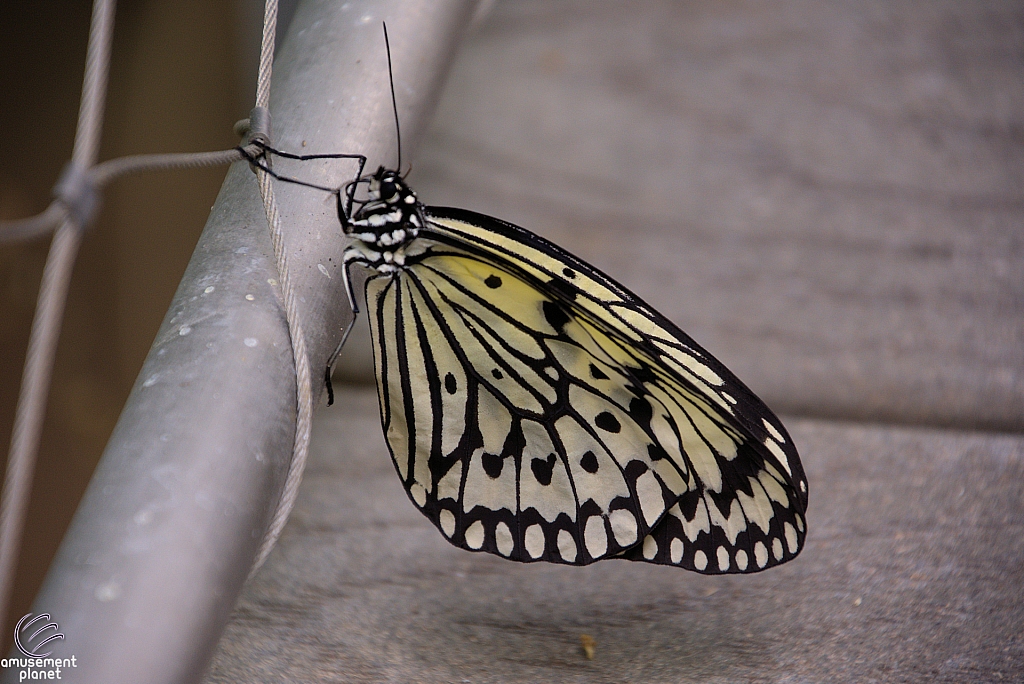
394	102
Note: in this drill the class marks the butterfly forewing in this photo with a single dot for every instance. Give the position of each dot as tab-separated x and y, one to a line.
536	409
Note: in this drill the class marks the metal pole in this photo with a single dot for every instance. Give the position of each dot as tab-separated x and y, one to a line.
149	571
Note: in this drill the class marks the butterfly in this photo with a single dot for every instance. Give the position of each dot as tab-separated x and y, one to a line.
536	409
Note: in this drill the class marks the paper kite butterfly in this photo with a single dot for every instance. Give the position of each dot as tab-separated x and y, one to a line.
538	410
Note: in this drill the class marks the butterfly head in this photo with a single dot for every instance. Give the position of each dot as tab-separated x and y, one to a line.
390	215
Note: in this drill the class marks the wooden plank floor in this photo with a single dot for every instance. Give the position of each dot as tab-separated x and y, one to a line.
828	196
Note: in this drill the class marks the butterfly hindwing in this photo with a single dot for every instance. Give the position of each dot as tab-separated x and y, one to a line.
536	409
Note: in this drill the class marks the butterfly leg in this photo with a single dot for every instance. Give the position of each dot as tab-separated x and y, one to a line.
309	157
341	155
344	336
350	188
263	166
334	356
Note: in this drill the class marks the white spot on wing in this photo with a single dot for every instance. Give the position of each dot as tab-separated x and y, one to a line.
503	539
447	522
778	453
650	547
648	490
595	537
623	527
775	433
760	554
723	559
566	546
475	535
419	494
703	371
790	537
741	559
777	548
676	551
700	561
534	541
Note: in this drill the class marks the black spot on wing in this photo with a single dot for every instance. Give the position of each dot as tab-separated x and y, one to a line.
640	410
542	469
564	290
597	373
656	452
493	282
635	469
492	464
589	462
515	442
688	504
644	374
554	315
607	422
450	385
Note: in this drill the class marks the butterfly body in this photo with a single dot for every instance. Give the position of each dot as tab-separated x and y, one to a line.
385	224
538	410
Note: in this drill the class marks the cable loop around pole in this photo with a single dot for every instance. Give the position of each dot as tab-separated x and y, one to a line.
259	129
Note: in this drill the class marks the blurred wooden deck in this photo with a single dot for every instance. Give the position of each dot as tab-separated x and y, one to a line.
828	197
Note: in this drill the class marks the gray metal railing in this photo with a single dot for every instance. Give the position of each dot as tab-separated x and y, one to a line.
149	571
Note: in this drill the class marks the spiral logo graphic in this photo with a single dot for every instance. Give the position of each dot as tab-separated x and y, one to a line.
34	642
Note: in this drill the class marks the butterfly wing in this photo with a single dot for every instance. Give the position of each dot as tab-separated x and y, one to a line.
538	410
